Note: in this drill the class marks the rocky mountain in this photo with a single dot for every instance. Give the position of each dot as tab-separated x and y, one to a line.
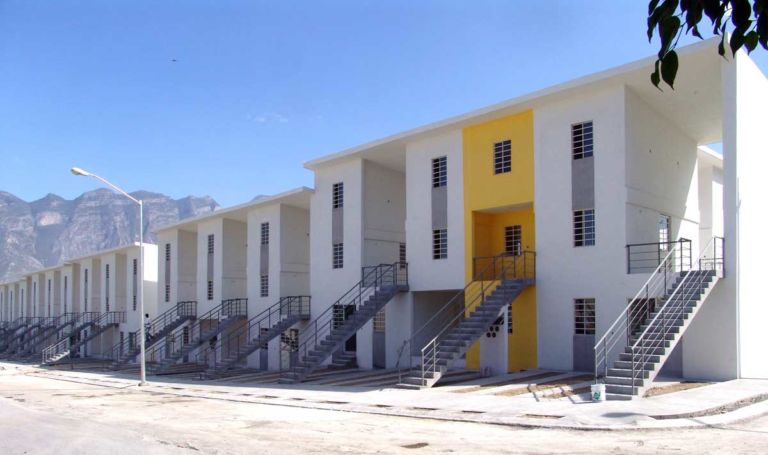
45	232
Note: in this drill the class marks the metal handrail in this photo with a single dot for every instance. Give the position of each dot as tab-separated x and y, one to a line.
469	300
86	320
657	281
646	259
286	307
373	279
227	308
674	306
186	308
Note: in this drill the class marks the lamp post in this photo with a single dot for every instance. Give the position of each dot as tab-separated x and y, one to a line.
140	271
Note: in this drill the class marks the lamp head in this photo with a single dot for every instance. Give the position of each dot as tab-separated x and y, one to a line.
78	171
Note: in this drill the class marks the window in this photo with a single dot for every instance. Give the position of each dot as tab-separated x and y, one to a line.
338	195
210	290
85	289
513	241
65	293
167	252
167	284
509	319
584	316
265	285
502	157
265	233
439	172
664	224
338	255
584	227
582	140
402	257
106	291
440	244
210	244
135	281
379	322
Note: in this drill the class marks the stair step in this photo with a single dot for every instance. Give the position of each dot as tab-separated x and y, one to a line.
620	380
621	389
624	365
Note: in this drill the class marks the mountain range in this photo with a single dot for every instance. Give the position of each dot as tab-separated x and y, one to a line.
45	232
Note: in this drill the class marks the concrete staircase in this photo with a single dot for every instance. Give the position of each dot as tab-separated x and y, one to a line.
259	331
454	342
160	327
18	339
97	323
42	338
329	332
654	338
198	332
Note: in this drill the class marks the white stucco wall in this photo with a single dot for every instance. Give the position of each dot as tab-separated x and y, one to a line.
204	229
294	251
426	273
747	218
565	272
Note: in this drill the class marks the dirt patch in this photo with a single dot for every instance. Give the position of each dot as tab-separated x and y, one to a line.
524	380
567	393
416	445
546	386
672	388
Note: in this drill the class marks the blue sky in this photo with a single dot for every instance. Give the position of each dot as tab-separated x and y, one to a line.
229	98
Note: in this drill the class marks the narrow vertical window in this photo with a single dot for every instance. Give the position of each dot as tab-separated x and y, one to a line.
402	256
265	233
584	227
440	244
210	267
513	240
264	286
66	287
584	316
48	299
135	282
439	172
338	255
106	291
582	140
167	284
502	157
338	195
664	224
85	290
380	322
510	327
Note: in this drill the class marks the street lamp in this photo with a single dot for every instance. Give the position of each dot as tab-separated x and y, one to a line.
140	271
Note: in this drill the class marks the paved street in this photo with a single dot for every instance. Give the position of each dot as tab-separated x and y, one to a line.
41	415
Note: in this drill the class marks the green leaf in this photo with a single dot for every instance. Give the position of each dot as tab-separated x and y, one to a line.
655	77
652	6
669	66
668	29
750	40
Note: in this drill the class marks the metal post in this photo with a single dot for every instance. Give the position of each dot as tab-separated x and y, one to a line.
140	272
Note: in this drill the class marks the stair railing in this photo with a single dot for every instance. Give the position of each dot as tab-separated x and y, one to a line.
188	334
236	340
488	273
640	306
53	327
183	309
83	321
648	341
373	279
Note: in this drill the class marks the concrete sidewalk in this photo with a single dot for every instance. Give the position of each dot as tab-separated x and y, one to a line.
709	405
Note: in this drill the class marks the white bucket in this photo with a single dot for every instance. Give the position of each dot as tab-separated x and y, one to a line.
598	392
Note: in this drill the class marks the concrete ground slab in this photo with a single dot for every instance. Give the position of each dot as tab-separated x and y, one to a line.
706	405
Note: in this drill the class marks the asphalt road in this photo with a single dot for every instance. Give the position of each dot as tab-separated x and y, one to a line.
48	416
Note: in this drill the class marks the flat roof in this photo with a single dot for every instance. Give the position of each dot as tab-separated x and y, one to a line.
297	197
695	79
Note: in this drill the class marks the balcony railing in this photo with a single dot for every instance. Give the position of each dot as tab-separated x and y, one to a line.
646	257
